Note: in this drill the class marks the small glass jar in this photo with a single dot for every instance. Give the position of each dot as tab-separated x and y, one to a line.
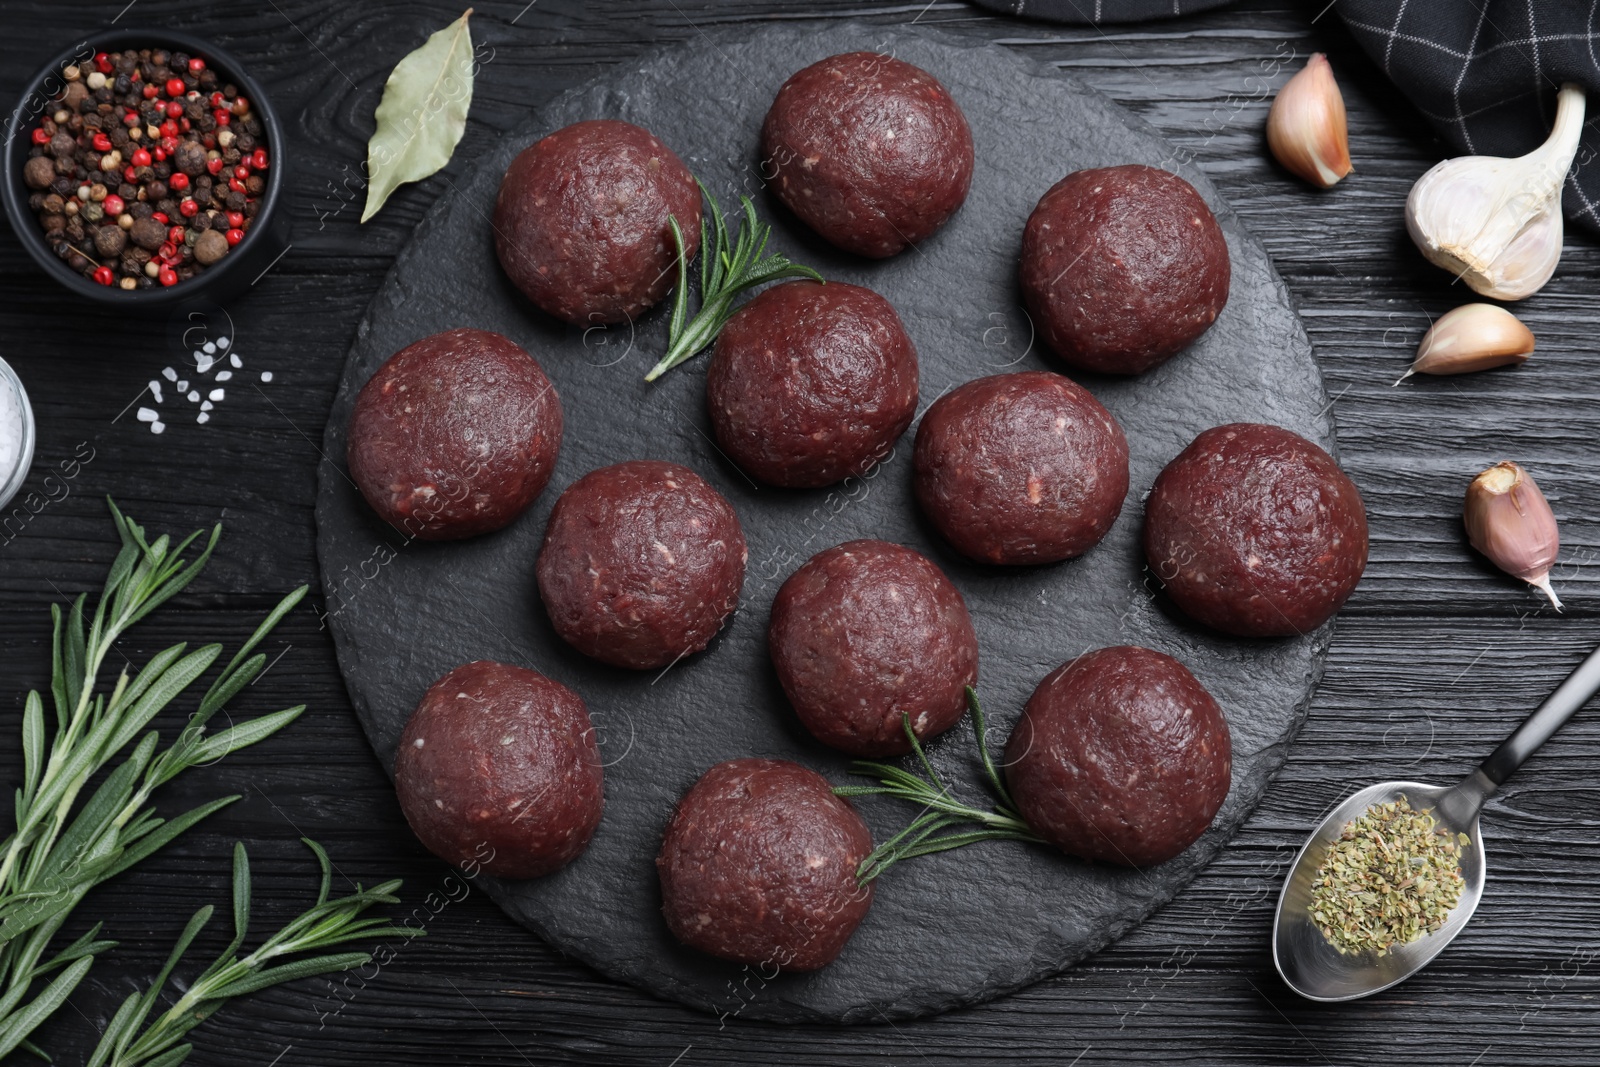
16	433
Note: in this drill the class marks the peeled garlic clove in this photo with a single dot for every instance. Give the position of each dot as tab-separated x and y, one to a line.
1509	520
1306	127
1496	222
1472	337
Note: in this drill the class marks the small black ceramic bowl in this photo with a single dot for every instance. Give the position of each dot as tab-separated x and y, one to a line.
263	242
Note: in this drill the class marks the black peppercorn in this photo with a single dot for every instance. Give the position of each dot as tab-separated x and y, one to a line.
109	241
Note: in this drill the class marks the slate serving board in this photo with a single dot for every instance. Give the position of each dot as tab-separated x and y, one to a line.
945	930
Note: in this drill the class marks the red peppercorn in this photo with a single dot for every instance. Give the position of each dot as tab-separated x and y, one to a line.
160	216
187	207
169	129
236	185
102	63
222	117
166	249
112	204
184	125
103	275
196	65
175	87
258	159
235	220
234	236
174	109
150	91
130	173
215	165
241	172
209	140
170	144
130	119
102	143
175	237
178	181
141	157
40	137
168	276
161	153
217	100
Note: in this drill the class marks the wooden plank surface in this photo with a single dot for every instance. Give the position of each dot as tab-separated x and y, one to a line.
1435	658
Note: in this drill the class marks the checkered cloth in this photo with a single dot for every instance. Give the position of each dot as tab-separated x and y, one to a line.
1484	72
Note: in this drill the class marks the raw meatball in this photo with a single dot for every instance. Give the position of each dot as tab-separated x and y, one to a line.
1122	267
1120	755
1256	531
455	435
580	224
1021	468
642	562
869	151
498	768
810	383
866	632
758	866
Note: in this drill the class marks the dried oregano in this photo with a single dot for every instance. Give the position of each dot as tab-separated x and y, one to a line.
1392	875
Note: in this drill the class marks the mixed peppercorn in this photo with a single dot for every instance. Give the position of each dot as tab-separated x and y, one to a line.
146	169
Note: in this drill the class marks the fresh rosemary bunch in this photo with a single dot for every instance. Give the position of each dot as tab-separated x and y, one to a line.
325	925
60	848
727	268
940	809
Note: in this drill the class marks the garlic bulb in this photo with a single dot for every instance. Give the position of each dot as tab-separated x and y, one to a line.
1496	222
1509	520
1470	338
1306	127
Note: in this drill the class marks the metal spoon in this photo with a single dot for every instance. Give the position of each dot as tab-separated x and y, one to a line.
1314	968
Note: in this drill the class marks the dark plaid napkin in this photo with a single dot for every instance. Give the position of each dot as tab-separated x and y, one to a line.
1483	72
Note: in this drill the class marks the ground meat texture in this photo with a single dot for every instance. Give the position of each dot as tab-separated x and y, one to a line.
811	383
1122	756
1122	267
580	223
869	151
498	768
1021	468
868	632
758	866
642	562
455	435
1256	531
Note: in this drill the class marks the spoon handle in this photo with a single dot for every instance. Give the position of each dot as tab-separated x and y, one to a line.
1558	707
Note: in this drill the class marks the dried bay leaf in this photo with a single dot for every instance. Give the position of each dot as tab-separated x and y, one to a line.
422	115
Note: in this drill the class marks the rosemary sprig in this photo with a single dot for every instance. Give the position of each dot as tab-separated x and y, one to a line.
940	809
60	848
326	924
727	268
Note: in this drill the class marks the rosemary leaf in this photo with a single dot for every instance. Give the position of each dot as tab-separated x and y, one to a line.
941	809
66	840
727	268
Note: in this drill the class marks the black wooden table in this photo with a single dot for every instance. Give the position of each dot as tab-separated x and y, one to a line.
1433	660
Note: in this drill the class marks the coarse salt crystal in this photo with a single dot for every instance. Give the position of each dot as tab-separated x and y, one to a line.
208	348
235	360
206	405
203	362
266	376
218	394
157	427
183	385
223	342
224	375
155	389
202	417
194	396
148	415
169	374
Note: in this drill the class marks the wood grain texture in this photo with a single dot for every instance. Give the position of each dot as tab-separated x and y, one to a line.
1433	661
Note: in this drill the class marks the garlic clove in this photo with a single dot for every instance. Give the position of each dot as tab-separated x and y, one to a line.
1496	222
1306	127
1508	519
1472	337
